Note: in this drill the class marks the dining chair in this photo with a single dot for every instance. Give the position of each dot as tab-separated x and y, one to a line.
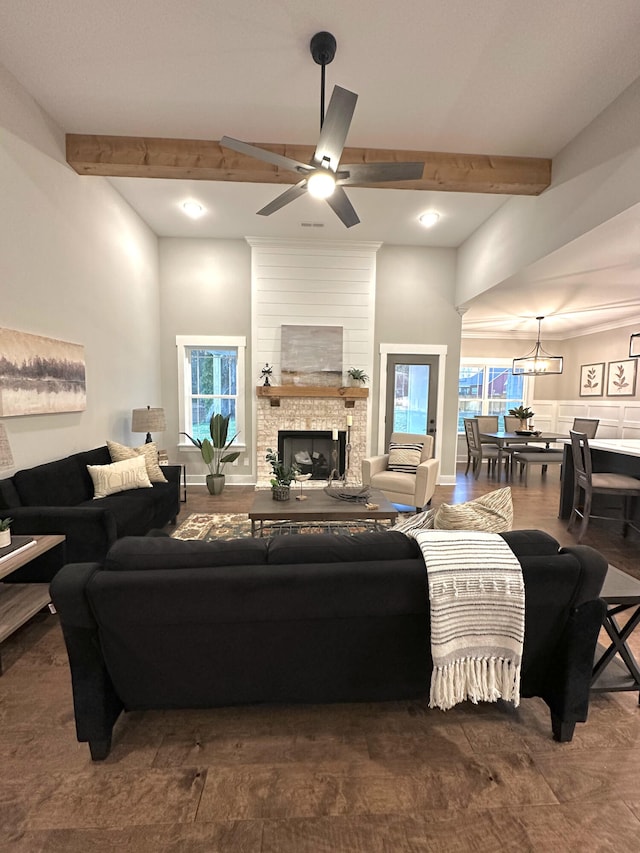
487	423
476	450
588	426
511	423
592	483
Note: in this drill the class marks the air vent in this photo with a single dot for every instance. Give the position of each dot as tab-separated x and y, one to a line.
312	224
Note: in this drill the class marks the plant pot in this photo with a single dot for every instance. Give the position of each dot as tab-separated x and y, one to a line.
355	383
5	538
280	493
215	483
523	425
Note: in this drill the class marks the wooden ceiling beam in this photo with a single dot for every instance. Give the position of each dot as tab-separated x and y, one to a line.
196	159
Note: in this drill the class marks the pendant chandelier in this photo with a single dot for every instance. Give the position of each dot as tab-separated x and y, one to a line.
538	362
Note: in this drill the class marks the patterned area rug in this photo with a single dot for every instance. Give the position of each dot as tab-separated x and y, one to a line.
201	525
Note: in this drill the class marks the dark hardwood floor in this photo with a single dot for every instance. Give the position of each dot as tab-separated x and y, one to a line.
384	777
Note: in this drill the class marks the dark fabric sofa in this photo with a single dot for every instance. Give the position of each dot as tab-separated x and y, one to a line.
165	624
57	497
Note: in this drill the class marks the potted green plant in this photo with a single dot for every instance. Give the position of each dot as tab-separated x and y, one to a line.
357	376
214	452
524	413
282	476
5	532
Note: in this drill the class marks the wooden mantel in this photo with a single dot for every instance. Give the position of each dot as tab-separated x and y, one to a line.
348	394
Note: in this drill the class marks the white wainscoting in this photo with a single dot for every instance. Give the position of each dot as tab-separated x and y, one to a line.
618	418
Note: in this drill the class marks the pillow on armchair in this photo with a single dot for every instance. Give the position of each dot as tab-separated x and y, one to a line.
404	457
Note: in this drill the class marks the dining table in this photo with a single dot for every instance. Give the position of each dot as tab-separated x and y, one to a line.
502	438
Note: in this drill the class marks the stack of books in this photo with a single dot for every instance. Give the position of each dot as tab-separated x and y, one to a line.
18	543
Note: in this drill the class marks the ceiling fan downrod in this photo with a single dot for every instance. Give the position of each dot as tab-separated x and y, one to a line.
323	50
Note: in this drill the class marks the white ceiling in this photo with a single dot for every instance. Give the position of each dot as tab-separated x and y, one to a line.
473	76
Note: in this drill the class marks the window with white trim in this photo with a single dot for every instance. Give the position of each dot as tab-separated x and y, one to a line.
488	387
210	381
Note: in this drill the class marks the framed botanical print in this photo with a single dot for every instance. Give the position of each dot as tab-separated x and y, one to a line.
592	380
621	378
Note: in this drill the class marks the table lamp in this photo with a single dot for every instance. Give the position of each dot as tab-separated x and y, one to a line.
148	420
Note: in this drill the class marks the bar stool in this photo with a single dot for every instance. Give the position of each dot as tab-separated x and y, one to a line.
600	483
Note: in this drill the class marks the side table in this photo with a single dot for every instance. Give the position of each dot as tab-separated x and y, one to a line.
20	601
621	592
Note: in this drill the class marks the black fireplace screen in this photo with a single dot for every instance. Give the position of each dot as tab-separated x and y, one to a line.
313	451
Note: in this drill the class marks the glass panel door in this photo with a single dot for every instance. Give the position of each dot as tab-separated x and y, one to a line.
412	393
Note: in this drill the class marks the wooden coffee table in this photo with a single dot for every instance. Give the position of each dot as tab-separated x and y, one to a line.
317	508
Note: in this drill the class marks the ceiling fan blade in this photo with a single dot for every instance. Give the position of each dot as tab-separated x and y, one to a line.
268	156
340	204
374	173
287	196
336	125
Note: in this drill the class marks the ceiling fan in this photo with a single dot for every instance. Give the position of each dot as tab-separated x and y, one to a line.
323	177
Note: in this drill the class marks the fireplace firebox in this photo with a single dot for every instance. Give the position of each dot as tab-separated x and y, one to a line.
311	451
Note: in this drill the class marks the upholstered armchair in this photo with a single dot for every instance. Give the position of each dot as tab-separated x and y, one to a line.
406	487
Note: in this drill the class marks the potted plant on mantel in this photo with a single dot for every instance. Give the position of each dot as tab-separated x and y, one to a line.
213	452
282	476
357	377
5	532
524	413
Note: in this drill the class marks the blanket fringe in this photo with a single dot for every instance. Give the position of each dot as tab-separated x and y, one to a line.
477	679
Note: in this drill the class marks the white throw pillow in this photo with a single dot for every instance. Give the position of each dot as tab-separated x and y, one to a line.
492	513
118	452
119	477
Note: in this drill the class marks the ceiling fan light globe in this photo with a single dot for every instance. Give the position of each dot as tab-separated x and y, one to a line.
428	219
321	184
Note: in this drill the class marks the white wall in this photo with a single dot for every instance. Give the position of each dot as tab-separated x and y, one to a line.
415	292
205	289
75	264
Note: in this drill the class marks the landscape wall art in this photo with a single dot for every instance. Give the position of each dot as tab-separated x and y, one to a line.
311	355
40	375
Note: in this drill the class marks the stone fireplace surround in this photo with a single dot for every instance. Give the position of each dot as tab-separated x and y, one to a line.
309	413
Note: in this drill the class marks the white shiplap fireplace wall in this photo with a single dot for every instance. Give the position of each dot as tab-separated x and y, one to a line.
309	283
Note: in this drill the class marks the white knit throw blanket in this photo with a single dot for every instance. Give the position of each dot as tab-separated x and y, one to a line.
476	595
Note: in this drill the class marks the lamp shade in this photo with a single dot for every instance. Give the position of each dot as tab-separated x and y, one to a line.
634	345
148	420
6	457
538	362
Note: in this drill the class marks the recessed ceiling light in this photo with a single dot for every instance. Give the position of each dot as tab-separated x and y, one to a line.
193	209
428	219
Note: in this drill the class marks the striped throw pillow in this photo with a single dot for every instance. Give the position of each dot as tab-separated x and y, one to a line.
415	523
492	513
404	457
